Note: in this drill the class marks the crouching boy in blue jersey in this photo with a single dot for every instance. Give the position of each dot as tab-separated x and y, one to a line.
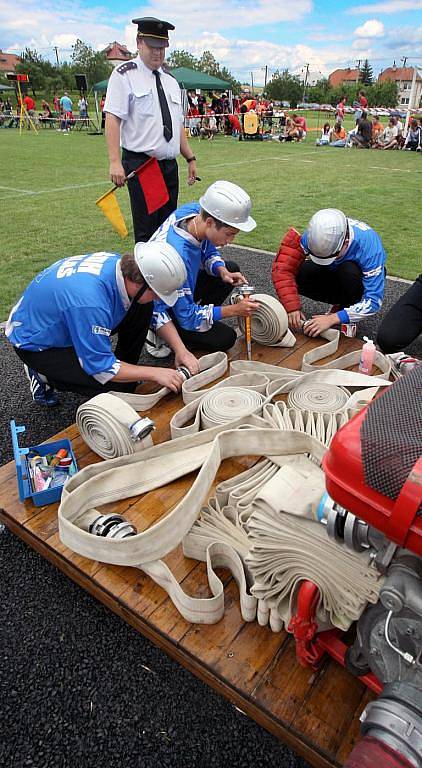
337	260
195	230
61	327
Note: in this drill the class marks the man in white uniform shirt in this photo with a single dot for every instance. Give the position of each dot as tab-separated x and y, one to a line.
144	116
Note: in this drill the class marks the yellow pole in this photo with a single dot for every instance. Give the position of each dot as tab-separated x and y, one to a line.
23	111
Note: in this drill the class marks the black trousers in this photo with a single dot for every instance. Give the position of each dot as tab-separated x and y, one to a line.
343	285
210	290
403	323
144	223
61	365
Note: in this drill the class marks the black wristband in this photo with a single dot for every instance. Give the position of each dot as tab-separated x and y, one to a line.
190	159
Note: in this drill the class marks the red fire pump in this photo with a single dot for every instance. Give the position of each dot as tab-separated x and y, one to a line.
387	652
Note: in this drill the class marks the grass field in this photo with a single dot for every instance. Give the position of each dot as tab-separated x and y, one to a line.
49	183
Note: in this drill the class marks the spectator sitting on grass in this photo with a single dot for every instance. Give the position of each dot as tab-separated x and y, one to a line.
377	129
300	124
388	138
208	127
362	137
338	136
414	136
325	136
291	132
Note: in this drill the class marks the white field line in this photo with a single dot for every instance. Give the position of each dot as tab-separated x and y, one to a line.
400	170
384	168
14	189
53	190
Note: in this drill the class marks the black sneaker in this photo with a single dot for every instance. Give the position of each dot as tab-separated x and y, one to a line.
42	393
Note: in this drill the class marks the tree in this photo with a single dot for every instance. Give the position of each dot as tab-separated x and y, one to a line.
36	67
208	64
285	87
320	93
182	58
366	74
383	94
90	63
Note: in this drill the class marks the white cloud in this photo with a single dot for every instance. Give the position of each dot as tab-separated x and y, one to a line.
47	19
390	6
371	28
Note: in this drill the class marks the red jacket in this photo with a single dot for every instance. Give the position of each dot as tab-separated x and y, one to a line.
285	267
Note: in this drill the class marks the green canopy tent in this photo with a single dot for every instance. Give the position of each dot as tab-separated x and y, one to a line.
188	79
193	79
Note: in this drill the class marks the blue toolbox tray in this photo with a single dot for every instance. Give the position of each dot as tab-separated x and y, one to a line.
50	495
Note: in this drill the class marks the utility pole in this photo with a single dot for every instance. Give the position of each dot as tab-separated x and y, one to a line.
57	55
265	77
358	70
252	83
305	82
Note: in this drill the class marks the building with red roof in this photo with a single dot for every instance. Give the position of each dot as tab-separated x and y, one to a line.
8	61
343	77
116	52
403	76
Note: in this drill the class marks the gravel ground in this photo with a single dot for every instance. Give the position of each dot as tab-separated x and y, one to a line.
79	687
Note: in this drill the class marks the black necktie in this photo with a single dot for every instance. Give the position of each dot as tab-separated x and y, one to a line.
165	112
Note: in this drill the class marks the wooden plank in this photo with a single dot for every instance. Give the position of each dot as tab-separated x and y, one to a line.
313	712
325	714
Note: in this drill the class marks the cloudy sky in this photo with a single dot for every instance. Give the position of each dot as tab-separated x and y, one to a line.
243	35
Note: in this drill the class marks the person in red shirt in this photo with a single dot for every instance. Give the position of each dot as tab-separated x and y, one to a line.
363	101
340	110
361	105
29	104
233	127
300	124
29	107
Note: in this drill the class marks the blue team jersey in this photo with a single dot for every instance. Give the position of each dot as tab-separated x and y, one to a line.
365	248
76	302
196	256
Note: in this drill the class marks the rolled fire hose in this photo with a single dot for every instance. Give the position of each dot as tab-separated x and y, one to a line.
106	422
269	324
225	402
191	418
112	428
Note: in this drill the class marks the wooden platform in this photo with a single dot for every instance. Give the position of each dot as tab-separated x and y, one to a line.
314	713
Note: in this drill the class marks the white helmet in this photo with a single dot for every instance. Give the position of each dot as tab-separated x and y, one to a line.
162	268
230	204
327	232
